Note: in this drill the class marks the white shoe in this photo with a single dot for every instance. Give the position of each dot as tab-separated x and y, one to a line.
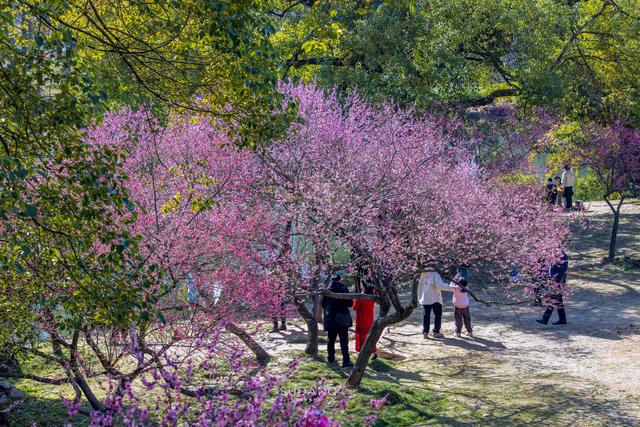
470	334
458	334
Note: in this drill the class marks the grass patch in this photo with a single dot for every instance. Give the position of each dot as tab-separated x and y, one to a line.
42	405
405	406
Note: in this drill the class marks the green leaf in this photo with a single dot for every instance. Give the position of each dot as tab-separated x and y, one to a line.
31	211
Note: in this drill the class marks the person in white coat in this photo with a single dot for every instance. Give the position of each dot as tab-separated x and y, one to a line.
430	296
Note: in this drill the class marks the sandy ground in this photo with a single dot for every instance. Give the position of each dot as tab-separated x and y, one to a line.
517	372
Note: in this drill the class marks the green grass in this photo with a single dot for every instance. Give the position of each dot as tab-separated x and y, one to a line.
42	405
405	406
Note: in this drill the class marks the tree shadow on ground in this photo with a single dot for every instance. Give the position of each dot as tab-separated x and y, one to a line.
45	412
476	343
392	374
589	238
482	394
551	404
295	334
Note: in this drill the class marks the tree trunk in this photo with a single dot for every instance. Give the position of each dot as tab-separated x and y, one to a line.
384	320
313	333
86	390
312	327
355	377
317	308
614	236
614	229
261	355
74	368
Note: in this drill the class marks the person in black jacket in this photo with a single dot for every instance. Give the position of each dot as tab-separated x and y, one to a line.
337	321
540	277
558	279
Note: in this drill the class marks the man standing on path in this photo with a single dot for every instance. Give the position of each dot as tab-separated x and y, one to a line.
558	277
337	321
430	297
568	180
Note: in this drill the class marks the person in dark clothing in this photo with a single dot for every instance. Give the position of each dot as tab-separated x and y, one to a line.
283	323
558	280
337	321
540	277
283	319
551	194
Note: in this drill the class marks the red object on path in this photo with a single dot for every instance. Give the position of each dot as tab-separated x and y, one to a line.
364	320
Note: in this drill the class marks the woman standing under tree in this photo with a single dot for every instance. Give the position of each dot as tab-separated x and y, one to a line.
364	318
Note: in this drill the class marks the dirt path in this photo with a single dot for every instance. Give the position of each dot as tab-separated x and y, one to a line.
516	371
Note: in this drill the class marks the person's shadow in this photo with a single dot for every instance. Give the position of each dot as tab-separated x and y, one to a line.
476	343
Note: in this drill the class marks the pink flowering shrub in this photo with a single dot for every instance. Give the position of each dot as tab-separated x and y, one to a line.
210	391
198	217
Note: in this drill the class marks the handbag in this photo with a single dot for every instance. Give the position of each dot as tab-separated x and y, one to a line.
343	320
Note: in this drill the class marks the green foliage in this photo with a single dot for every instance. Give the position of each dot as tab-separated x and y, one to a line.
518	178
64	247
588	186
579	57
59	198
207	56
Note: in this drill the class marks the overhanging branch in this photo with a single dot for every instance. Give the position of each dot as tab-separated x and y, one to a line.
488	99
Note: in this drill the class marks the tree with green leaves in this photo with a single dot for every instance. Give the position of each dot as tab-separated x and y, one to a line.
63	209
580	57
610	153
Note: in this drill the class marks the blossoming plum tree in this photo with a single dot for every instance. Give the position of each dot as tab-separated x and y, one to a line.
196	221
401	194
244	231
199	220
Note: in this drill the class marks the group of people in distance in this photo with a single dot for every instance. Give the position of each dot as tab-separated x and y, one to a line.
549	287
561	187
337	317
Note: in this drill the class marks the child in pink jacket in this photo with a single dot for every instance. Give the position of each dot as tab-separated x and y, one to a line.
461	304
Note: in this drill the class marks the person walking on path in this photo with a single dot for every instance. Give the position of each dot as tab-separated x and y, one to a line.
568	181
364	318
461	305
558	279
430	286
540	281
337	321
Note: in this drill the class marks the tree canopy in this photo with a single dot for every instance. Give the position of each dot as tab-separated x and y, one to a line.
580	57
